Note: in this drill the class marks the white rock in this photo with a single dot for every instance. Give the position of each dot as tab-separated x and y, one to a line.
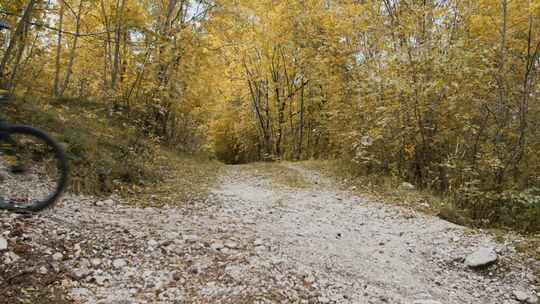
95	262
171	235
119	263
231	245
57	256
521	295
80	273
191	238
107	202
426	302
525	297
81	294
3	244
101	279
153	243
11	257
324	300
217	246
481	257
43	270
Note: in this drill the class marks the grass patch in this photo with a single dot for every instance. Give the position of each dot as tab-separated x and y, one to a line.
512	210
377	187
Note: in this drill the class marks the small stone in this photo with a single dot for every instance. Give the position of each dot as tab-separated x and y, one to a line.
81	294
107	202
520	295
58	256
191	238
324	300
177	276
481	257
153	243
80	273
11	257
193	269
3	244
171	235
101	279
217	246
258	242
231	245
309	279
43	270
426	302
525	297
119	263
95	262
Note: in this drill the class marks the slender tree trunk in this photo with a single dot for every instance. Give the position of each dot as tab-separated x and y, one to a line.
107	57
19	31
20	50
73	51
117	39
56	91
301	139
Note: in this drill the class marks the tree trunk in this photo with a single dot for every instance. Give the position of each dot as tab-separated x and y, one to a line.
301	139
20	51
19	31
117	46
58	51
73	51
107	57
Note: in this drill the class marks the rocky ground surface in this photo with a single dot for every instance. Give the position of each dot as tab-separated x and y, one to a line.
255	241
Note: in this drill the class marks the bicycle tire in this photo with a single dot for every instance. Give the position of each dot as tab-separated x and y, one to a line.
63	170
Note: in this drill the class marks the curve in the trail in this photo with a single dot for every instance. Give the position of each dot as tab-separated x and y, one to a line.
357	251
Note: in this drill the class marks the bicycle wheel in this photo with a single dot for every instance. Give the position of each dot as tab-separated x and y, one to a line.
33	169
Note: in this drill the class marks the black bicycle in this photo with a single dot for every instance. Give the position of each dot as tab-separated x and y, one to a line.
33	166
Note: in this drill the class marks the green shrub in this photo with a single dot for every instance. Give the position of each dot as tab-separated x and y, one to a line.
515	209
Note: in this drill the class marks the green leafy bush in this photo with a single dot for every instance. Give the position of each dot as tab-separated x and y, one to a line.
516	209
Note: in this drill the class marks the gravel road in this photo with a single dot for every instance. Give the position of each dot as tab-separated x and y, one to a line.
253	241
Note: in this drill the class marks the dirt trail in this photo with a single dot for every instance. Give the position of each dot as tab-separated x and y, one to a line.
254	240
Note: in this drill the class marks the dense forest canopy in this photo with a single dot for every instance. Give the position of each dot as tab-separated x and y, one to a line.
443	93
